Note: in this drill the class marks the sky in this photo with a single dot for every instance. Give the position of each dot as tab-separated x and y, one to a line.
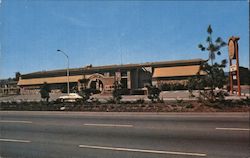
114	32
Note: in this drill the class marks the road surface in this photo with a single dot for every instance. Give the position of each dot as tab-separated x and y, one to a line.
123	135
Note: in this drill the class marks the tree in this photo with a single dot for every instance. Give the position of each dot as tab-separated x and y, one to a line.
214	72
192	85
84	91
117	92
18	75
213	48
215	78
44	91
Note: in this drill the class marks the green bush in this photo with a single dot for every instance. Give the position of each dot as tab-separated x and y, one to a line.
153	93
140	101
85	94
117	92
111	101
179	101
189	106
44	91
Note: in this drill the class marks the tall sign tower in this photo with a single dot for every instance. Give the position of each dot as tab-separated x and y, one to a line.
234	71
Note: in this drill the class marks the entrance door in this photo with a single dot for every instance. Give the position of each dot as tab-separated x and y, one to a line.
96	85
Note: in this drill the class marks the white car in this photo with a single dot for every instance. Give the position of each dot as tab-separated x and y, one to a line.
71	97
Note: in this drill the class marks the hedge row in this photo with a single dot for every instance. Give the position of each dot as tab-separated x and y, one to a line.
170	106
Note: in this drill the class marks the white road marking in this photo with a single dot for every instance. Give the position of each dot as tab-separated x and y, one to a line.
13	121
15	140
234	129
143	150
107	125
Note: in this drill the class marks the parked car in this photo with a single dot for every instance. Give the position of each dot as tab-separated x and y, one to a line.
71	97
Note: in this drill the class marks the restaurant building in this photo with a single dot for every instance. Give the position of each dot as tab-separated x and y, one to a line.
102	78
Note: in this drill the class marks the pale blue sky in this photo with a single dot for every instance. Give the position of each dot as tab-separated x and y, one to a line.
98	32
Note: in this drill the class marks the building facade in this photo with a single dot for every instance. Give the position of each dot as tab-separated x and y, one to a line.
102	78
9	87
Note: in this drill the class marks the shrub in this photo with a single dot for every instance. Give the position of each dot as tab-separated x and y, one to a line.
153	93
161	100
189	106
140	101
179	101
45	92
110	101
96	101
85	94
117	92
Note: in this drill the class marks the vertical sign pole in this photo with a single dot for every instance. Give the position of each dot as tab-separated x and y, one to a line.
233	50
238	69
230	78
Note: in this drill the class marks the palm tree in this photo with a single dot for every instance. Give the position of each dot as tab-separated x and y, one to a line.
213	48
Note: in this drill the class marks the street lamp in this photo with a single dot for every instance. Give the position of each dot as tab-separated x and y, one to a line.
67	68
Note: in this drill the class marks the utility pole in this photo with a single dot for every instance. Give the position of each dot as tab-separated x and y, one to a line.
67	68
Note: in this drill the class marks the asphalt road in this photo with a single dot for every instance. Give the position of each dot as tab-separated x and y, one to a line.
124	135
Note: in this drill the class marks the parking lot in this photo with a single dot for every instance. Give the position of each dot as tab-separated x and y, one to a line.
165	95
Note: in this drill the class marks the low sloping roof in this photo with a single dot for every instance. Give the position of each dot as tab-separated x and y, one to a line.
39	81
176	71
96	69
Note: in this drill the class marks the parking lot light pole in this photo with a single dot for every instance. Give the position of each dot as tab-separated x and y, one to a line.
67	68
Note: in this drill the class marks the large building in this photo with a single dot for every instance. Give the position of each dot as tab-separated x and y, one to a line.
102	78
